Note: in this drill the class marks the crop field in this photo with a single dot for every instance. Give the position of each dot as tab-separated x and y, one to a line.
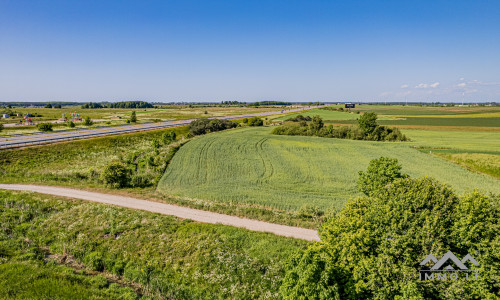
325	115
407	117
252	166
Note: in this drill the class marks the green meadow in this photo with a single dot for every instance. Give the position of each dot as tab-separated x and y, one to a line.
54	248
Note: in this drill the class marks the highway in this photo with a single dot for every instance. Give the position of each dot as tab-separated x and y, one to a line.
54	137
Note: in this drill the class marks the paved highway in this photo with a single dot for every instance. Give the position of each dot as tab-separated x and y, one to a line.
53	137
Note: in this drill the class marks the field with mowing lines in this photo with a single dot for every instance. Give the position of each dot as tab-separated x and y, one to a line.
252	166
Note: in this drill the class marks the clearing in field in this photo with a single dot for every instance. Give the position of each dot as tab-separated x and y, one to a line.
252	166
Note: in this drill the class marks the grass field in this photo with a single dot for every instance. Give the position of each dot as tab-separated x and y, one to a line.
253	166
325	115
53	248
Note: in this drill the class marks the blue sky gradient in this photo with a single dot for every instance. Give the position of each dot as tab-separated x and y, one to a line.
249	50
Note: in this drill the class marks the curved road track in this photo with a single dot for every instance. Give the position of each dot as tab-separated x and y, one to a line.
59	136
168	209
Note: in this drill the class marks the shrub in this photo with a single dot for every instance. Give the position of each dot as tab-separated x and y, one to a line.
204	125
156	144
71	124
44	127
116	175
255	121
299	118
133	117
1	127
57	106
94	261
309	211
88	121
48	105
168	137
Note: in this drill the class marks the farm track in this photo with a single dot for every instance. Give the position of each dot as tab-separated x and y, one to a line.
168	209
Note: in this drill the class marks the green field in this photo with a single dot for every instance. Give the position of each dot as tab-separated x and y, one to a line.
253	166
325	115
54	248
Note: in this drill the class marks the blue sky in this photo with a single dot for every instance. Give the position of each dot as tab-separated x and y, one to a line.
249	50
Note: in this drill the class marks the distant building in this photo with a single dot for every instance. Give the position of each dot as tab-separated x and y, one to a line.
5	116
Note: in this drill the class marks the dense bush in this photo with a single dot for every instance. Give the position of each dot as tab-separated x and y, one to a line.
71	124
168	137
372	249
204	125
255	121
116	175
1	127
44	127
88	122
133	117
299	118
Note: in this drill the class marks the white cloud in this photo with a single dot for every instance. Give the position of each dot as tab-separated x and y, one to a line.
463	84
462	79
404	86
434	85
422	86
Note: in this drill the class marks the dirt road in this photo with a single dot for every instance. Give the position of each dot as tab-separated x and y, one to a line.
167	209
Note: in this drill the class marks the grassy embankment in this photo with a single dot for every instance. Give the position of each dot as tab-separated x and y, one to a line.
59	249
252	166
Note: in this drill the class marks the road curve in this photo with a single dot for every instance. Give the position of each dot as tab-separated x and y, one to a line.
59	136
168	209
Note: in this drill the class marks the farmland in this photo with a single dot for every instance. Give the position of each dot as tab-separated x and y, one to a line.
287	172
415	117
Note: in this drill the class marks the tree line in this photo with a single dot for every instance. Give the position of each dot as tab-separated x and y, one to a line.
366	129
124	104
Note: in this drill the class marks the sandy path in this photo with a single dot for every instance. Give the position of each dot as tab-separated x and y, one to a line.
167	209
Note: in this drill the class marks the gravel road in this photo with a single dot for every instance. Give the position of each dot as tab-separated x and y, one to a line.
168	209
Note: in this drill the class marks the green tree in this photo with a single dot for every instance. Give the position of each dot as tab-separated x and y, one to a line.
57	106
316	125
380	172
44	127
116	175
368	122
88	121
372	249
133	117
48	105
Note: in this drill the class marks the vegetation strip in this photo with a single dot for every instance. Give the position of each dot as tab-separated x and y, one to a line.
181	212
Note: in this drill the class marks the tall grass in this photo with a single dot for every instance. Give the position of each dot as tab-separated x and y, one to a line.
162	256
